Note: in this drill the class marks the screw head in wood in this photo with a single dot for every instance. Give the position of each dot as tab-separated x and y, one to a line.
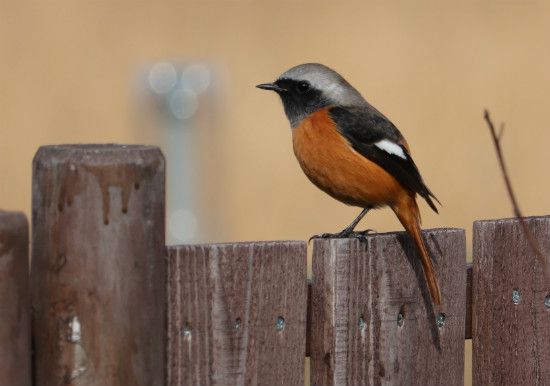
516	296
237	323
186	332
440	319
280	323
400	319
547	302
361	323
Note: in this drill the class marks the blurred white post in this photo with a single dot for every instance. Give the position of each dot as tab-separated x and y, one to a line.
181	197
176	95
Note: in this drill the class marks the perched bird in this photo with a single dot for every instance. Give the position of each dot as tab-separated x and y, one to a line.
353	152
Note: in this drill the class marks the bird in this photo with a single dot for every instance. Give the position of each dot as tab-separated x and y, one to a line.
351	151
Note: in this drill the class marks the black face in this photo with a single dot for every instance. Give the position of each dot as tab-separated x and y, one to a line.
300	99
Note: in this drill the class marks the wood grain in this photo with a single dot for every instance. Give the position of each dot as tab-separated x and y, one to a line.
98	268
15	343
511	342
224	302
468	318
469	309
360	288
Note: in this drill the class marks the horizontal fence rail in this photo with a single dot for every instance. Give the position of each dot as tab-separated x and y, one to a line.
112	305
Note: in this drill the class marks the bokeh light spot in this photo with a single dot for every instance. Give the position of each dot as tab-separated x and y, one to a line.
183	103
183	225
162	77
197	77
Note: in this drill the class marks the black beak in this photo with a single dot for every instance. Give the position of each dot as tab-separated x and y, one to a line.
271	86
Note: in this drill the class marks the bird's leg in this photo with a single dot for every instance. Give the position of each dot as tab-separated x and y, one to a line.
348	231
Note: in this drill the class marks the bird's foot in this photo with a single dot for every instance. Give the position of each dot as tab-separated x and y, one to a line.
345	234
362	234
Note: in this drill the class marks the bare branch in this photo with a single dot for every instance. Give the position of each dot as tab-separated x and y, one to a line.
501	131
517	213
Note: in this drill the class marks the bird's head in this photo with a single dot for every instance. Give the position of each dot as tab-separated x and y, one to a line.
309	87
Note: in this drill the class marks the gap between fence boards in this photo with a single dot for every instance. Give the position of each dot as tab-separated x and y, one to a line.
467	323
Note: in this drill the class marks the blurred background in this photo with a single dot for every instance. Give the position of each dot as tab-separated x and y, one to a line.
182	74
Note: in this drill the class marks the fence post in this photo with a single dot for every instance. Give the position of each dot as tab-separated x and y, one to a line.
98	269
511	318
237	314
15	345
373	321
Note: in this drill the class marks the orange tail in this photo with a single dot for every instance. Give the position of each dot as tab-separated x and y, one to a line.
409	215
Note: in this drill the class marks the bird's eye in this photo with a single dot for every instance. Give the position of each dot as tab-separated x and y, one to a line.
302	87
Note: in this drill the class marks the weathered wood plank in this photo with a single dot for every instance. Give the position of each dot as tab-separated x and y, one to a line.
468	321
225	301
468	318
15	343
99	267
360	289
308	319
511	342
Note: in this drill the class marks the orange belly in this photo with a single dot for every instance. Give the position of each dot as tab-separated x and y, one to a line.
334	166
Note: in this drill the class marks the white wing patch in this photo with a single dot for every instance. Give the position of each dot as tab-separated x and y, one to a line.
391	147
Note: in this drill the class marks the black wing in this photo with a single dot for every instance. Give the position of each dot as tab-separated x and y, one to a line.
365	126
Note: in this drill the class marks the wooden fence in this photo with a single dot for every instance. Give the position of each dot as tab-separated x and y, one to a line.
111	305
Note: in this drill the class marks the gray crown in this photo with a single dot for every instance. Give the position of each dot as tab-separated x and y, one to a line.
329	82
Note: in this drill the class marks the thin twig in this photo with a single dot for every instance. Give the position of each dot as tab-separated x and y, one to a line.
528	234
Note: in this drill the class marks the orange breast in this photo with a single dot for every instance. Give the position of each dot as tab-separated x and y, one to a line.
334	166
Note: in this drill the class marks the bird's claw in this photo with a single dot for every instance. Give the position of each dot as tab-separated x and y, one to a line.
326	236
362	235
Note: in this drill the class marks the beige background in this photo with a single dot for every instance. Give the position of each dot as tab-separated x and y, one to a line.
67	70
